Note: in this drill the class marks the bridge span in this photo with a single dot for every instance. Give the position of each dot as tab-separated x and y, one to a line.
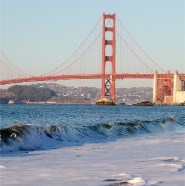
108	53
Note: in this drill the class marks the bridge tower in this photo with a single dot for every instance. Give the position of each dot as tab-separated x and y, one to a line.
108	82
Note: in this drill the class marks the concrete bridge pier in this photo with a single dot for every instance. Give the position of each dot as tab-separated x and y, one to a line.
178	89
155	87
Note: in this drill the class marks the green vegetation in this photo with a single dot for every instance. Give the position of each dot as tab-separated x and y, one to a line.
30	93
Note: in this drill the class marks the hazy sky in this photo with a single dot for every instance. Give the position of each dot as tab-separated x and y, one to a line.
37	35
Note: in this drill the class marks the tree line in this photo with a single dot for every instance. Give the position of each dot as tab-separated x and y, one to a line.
30	93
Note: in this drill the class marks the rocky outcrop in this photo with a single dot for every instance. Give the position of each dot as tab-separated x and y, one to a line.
181	104
144	103
105	101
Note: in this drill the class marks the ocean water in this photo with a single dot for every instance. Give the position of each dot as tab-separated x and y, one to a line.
59	135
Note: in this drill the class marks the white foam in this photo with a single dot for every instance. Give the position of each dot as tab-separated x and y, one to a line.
121	174
2	166
155	141
176	166
152	182
92	164
165	158
137	181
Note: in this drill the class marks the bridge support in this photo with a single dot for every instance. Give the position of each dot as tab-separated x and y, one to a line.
178	89
108	82
155	87
169	89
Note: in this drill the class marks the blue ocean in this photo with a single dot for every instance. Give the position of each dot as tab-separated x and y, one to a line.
29	127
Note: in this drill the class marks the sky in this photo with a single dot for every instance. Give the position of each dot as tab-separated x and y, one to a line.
37	35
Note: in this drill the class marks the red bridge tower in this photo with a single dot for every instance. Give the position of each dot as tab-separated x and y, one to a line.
108	84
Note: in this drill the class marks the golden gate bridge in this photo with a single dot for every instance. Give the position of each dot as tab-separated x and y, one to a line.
109	52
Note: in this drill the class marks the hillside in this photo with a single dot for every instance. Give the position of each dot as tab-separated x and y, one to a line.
53	92
21	93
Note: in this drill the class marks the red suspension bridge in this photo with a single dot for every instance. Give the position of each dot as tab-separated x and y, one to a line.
108	53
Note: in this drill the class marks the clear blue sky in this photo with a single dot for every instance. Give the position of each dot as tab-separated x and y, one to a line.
37	35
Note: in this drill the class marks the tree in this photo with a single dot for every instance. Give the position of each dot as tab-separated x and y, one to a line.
30	93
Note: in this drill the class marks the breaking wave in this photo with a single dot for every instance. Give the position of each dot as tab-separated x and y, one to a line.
29	137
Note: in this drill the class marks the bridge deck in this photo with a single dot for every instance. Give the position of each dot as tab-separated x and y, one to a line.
86	76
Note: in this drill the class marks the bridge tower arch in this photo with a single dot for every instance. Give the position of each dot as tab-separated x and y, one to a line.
169	88
163	89
108	82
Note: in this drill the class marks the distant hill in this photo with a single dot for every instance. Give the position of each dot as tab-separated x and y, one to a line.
19	93
53	92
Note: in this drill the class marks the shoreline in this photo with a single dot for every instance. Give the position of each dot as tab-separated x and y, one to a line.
146	160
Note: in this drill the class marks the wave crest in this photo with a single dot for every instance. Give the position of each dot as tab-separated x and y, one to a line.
32	137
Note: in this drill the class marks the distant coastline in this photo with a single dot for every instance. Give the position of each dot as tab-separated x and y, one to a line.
52	93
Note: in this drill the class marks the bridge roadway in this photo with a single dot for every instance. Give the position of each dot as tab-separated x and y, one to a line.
87	76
